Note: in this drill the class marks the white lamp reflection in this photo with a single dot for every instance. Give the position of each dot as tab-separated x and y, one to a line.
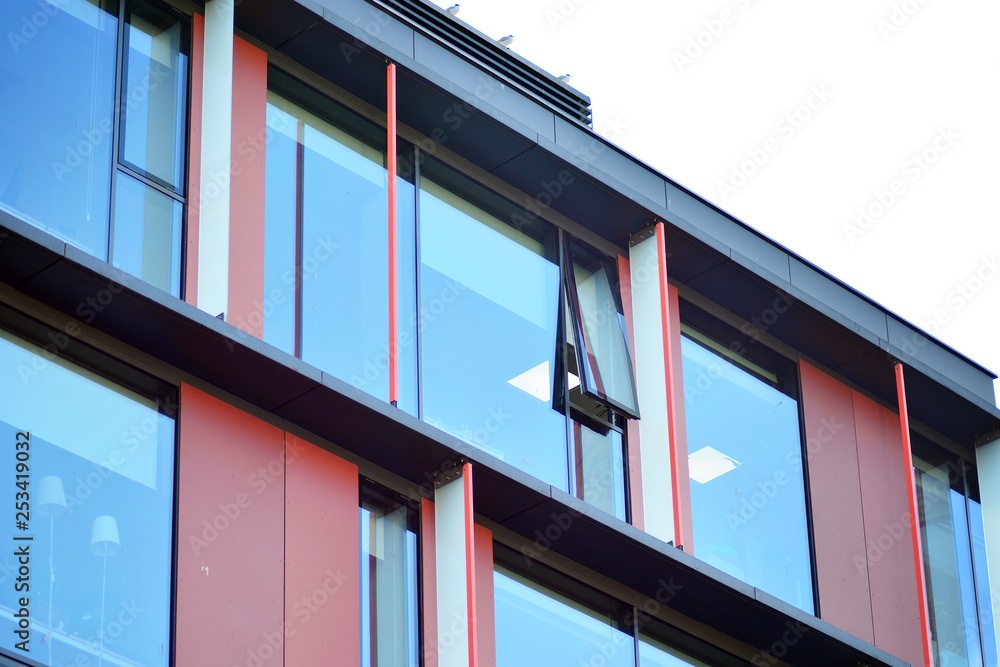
51	503
104	541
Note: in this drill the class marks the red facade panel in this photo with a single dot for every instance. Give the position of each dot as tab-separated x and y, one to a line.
246	230
428	583
888	550
194	159
230	552
835	492
484	597
322	543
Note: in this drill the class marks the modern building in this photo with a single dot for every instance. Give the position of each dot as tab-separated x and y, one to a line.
331	334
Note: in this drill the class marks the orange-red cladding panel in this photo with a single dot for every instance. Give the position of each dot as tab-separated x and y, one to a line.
428	582
484	597
835	492
246	208
889	550
230	552
321	556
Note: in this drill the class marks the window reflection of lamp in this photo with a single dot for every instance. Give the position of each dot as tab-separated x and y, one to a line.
51	502
104	541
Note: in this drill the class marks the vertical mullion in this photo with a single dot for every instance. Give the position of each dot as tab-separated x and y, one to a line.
972	557
117	123
418	335
563	382
390	109
298	292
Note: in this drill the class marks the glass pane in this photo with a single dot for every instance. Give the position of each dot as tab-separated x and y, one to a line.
536	626
747	487
657	654
607	365
986	627
154	98
600	472
100	480
389	619
488	316
57	120
147	239
280	224
948	564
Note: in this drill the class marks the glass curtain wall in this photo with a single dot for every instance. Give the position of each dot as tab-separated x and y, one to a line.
98	165
959	595
326	242
389	587
747	480
93	463
489	304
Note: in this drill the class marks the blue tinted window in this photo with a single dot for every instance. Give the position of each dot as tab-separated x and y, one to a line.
100	480
326	249
57	119
154	95
489	298
957	583
58	127
600	468
747	484
147	240
537	626
389	609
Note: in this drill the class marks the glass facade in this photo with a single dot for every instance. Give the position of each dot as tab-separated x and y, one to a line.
389	605
537	626
958	591
747	482
59	129
489	299
94	464
326	245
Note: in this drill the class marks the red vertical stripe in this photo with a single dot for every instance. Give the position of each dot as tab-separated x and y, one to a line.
246	235
390	111
486	621
470	564
911	487
668	375
194	160
428	582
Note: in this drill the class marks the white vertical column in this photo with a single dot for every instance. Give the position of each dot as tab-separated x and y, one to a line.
216	151
651	386
452	592
988	467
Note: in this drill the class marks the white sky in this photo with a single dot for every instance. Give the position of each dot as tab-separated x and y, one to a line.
695	88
